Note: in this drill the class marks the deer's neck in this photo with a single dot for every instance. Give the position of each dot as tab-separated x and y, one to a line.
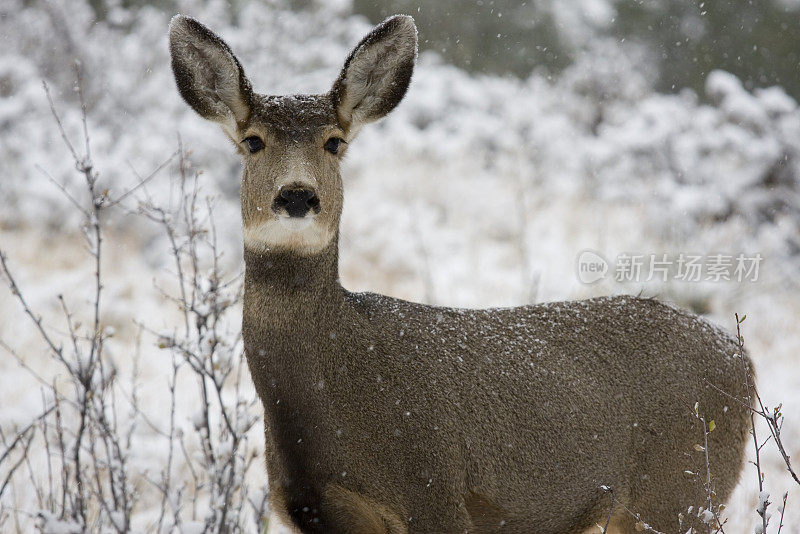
288	295
291	306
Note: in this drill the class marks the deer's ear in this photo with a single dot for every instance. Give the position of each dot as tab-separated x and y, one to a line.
376	75
209	77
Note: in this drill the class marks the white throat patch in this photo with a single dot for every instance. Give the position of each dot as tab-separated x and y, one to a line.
305	235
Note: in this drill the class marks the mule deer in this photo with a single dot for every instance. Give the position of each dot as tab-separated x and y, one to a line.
387	416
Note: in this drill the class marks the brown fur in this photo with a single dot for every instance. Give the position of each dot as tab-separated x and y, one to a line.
386	416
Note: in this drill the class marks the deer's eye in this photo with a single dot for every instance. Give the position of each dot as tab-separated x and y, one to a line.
254	143
332	144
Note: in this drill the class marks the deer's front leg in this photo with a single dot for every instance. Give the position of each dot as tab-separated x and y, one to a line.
347	511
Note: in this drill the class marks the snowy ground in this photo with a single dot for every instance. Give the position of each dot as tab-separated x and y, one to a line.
481	192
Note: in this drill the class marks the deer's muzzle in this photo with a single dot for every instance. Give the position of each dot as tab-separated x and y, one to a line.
296	202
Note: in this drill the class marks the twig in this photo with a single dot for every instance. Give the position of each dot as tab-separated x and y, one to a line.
763	502
773	424
640	525
707	484
610	490
142	181
58	121
782	510
427	274
23	432
37	320
19	462
63	190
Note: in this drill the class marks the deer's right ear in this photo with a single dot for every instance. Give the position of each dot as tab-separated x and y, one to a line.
209	77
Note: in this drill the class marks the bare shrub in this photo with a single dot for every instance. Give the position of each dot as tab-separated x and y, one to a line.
76	454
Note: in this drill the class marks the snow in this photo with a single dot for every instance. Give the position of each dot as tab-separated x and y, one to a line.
763	501
49	524
707	516
476	191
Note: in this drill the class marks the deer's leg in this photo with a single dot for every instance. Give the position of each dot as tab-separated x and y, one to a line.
613	528
346	511
277	525
279	520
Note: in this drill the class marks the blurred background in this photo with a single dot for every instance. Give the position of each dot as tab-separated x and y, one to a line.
532	131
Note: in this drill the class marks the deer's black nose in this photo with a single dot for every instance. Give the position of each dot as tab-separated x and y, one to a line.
296	201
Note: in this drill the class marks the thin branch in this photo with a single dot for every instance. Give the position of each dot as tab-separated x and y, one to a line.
762	508
774	426
141	181
21	433
58	121
782	510
610	490
37	320
63	190
19	462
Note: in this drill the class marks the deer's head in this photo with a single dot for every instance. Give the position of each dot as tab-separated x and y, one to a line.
292	146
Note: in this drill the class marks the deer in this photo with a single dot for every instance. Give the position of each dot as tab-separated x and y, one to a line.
388	416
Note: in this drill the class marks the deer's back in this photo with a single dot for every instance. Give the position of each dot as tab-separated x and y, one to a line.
527	411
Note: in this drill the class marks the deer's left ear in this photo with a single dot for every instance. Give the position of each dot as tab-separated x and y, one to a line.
209	77
376	75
